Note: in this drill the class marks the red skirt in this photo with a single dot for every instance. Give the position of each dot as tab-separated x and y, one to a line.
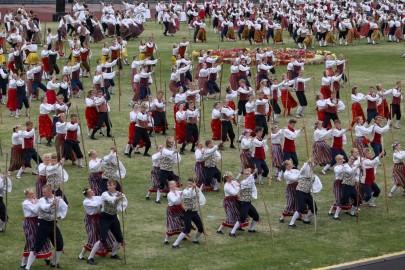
51	96
250	122
45	126
174	220
173	86
45	62
91	117
181	132
364	29
216	129
12	100
234	82
287	100
202	84
398	174
325	90
131	135
383	110
91	224
137	91
321	117
30	225
357	111
11	67
16	158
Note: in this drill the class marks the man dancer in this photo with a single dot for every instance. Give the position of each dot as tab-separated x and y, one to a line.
50	207
227	113
103	115
259	157
192	115
299	84
71	142
141	130
370	187
378	133
29	152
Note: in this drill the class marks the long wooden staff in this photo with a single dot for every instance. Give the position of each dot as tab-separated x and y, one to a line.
6	208
308	156
385	176
160	71
203	111
265	208
165	113
1	150
348	72
154	79
119	84
202	220
45	31
220	81
55	216
82	139
358	193
36	140
122	191
153	123
62	176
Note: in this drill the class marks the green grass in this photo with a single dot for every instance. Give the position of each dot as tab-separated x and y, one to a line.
334	242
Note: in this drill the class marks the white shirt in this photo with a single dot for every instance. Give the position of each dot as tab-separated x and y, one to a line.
232	188
174	197
30	208
45	205
92	206
95	165
249	183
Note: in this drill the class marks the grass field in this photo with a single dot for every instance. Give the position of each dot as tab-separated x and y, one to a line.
334	242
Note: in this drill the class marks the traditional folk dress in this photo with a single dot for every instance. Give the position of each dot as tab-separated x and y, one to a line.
398	170
287	99
276	149
95	179
56	176
357	110
382	104
246	158
51	92
361	142
216	124
92	208
16	152
212	176
174	214
199	166
321	150
181	126
12	99
154	176
45	122
91	114
291	177
30	224
250	122
41	181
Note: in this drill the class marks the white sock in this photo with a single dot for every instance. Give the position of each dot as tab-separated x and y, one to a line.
158	195
372	200
320	43
20	171
331	209
220	228
179	239
148	194
397	123
389	38
235	227
56	257
327	166
88	131
280	173
81	255
17	112
340	41
167	238
24	261
299	110
238	176
275	116
116	245
337	212
294	218
369	39
308	216
393	189
80	161
94	250
252	225
352	211
303	109
31	259
127	148
260	179
216	184
196	236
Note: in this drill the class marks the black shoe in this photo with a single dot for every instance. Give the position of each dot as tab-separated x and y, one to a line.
220	232
196	242
355	215
146	155
166	242
127	154
240	229
147	198
330	214
281	220
82	258
182	153
47	261
293	226
109	135
232	235
306	222
336	218
102	134
115	257
57	266
232	146
157	202
91	261
177	246
93	138
23	267
252	231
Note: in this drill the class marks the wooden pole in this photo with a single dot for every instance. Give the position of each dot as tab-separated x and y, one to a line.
385	177
220	81
82	138
358	194
203	111
55	216
153	123
160	71
45	34
122	191
6	202
265	208
202	219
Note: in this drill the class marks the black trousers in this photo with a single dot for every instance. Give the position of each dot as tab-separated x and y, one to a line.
247	209
159	118
166	24
164	177
213	87
191	132
396	111
22	99
304	200
44	232
302	99
242	107
371	114
3	88
36	85
103	119
349	192
141	133
72	146
71	28
275	106
261	122
54	68
192	216
31	154
2	209
211	173
227	130
110	223
328	117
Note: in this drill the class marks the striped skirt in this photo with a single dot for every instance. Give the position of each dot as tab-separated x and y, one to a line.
291	199
199	173
232	211
276	155
360	145
246	160
30	225
322	153
174	220
155	181
398	174
95	180
41	181
16	158
91	224
337	191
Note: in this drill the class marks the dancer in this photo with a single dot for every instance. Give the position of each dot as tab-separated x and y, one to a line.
5	187
212	176
370	187
29	152
95	177
174	212
398	173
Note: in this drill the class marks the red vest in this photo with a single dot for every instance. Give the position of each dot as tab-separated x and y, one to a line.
300	86
370	176
340	68
289	145
338	143
297	68
261	109
76	74
259	153
144	82
29	142
71	135
243	97
102	107
396	100
332	109
38	76
377	137
336	86
212	77
83	56
371	104
275	95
